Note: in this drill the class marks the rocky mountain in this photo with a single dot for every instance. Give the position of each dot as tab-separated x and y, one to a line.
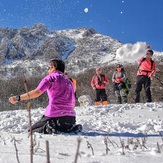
92	49
26	51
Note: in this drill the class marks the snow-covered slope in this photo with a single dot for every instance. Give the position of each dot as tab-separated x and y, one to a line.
112	119
130	123
92	49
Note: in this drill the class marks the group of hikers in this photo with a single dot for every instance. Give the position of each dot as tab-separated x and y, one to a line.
121	86
60	115
146	69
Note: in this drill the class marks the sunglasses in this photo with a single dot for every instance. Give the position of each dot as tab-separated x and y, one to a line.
50	67
118	67
148	54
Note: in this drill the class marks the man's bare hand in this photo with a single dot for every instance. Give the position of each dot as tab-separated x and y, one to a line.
13	100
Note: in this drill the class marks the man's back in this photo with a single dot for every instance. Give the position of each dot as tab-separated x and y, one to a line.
61	95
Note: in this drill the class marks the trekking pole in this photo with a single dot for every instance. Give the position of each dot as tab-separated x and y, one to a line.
30	121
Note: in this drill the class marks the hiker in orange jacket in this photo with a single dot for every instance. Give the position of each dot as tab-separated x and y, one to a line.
74	83
147	68
98	83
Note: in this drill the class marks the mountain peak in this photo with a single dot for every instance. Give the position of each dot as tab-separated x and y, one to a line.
40	27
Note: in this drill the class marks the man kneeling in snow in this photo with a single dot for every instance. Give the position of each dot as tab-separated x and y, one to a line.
59	114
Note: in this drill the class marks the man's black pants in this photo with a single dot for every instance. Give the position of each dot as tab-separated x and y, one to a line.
61	124
146	82
101	95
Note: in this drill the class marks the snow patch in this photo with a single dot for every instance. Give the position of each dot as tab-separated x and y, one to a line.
126	122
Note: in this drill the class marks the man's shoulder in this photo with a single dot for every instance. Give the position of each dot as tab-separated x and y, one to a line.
142	59
51	77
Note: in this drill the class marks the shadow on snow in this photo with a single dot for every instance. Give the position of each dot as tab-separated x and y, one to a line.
126	134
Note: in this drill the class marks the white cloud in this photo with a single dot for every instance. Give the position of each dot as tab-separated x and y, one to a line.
131	52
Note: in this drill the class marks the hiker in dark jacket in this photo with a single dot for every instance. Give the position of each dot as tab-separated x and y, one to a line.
119	78
98	83
147	68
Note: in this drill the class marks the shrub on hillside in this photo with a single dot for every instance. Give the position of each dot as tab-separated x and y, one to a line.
16	87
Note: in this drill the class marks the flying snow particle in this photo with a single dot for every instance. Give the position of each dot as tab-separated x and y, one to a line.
86	10
121	12
123	1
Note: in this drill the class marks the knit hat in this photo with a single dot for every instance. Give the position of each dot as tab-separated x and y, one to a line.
98	68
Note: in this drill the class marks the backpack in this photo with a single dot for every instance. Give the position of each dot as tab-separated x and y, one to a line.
102	79
128	83
144	60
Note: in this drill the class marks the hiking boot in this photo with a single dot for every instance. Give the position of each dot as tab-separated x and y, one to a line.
76	128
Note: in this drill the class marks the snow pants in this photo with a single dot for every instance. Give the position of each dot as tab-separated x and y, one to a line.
47	125
120	92
101	96
145	81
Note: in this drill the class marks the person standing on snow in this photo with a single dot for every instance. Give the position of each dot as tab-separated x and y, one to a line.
119	78
59	114
147	68
98	83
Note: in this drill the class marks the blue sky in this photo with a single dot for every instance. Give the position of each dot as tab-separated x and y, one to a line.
128	21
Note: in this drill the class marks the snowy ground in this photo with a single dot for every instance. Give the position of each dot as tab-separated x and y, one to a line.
130	123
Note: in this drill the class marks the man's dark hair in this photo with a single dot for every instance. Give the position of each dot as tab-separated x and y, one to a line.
58	64
150	51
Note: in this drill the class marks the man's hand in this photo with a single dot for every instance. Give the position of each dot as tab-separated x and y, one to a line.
148	47
13	100
116	81
151	76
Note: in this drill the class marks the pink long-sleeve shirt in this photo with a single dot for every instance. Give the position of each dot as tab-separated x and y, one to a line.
60	92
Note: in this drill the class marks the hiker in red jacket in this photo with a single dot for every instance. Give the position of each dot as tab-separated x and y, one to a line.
147	68
98	83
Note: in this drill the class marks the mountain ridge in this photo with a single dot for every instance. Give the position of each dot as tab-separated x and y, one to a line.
27	50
